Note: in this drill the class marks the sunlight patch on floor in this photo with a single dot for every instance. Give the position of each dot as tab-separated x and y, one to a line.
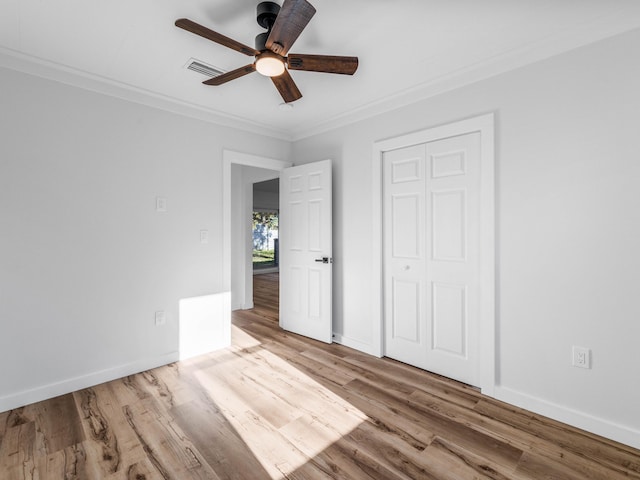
283	416
241	339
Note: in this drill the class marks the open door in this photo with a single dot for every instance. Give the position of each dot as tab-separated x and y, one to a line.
306	250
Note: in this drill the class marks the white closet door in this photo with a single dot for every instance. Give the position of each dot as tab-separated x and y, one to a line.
431	256
405	255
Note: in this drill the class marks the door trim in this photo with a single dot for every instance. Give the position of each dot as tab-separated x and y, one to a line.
485	125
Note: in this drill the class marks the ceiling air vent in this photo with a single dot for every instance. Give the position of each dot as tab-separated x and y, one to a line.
203	68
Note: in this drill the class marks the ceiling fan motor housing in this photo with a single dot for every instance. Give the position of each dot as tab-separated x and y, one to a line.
267	13
261	40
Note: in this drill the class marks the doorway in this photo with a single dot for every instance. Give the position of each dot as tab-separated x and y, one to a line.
240	172
313	223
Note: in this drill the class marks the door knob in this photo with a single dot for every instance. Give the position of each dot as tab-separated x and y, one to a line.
324	260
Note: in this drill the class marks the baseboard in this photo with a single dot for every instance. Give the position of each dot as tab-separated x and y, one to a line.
78	383
584	421
355	344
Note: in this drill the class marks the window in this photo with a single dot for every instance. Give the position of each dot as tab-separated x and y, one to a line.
265	239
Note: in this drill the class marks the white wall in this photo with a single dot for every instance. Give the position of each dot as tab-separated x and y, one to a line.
85	261
568	226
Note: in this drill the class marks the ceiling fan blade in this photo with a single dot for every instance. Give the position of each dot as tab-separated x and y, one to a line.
287	87
204	32
323	63
232	75
291	20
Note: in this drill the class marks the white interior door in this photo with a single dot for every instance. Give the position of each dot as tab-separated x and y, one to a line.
432	256
305	232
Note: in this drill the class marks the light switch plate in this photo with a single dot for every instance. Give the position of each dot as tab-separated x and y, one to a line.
161	204
161	318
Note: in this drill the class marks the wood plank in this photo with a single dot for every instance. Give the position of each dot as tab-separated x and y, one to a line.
416	379
490	448
17	451
449	461
57	424
533	466
404	459
142	470
69	463
267	445
102	446
218	442
342	458
10	419
169	450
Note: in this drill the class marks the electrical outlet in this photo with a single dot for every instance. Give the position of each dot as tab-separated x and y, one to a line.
581	357
204	236
161	318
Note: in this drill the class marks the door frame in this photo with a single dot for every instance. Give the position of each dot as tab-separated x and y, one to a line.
484	124
230	157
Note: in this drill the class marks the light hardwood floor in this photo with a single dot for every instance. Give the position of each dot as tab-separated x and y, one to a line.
279	406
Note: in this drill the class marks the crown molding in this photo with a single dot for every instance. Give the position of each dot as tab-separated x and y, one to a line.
614	24
39	67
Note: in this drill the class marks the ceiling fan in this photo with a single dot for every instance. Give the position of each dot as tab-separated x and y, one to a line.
272	58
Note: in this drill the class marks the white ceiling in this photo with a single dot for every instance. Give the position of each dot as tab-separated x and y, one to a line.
408	49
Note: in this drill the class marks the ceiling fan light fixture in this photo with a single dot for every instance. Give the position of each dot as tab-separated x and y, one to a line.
269	65
271	56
